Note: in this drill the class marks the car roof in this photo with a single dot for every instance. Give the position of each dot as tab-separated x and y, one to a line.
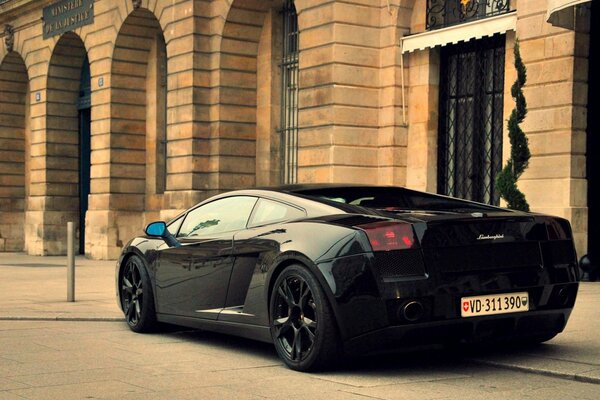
313	198
309	186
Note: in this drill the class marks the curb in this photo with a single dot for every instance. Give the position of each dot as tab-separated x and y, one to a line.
531	370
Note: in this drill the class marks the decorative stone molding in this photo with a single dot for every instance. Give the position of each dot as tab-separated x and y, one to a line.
9	37
136	4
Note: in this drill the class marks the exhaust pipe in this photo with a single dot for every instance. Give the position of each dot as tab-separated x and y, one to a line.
412	311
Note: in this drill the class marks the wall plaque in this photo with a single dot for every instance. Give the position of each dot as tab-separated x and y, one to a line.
66	15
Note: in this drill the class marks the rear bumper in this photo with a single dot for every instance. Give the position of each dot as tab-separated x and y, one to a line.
531	324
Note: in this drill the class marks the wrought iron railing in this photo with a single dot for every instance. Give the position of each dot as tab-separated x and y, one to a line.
443	13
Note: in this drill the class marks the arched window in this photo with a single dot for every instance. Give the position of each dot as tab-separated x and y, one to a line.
289	103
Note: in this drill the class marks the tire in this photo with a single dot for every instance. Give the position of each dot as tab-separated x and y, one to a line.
137	299
303	327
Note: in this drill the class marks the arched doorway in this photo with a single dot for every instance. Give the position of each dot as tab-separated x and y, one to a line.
14	127
67	158
256	131
138	121
84	108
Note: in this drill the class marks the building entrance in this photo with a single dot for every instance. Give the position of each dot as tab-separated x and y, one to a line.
470	125
84	108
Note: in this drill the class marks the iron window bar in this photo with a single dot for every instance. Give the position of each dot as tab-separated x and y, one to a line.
289	93
471	119
444	13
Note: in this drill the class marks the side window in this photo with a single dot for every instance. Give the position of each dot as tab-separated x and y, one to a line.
223	215
268	211
173	226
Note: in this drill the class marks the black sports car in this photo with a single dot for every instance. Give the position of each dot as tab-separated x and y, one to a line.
327	270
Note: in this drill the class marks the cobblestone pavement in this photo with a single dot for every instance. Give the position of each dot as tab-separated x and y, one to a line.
53	349
91	360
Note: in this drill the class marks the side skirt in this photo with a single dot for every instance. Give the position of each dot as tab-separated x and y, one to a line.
254	332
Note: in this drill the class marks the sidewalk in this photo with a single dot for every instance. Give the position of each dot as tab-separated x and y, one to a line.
573	354
35	288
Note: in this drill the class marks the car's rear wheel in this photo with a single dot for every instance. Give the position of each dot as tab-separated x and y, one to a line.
302	322
137	299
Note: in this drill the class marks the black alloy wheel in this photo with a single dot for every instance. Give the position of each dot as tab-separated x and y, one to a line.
137	300
302	324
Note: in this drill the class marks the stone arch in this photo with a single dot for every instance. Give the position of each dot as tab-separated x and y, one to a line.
56	185
14	129
246	150
138	119
300	6
417	9
162	12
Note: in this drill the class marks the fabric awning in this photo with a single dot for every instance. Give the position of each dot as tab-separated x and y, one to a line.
562	12
457	33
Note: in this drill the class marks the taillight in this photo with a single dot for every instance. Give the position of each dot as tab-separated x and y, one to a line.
386	236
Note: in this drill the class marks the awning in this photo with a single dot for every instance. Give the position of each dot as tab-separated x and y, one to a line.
562	12
457	33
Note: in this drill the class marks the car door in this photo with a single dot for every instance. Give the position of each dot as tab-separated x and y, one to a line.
192	280
254	249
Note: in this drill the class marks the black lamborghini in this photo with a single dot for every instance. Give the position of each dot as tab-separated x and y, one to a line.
327	270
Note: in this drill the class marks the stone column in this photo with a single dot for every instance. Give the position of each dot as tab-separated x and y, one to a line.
339	96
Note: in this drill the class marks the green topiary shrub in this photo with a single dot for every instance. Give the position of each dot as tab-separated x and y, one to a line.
506	182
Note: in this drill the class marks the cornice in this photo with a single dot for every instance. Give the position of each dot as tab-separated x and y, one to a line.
12	9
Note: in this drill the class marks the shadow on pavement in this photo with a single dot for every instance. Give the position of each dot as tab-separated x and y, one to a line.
436	358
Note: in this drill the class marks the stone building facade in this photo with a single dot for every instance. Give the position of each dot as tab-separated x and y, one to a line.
141	108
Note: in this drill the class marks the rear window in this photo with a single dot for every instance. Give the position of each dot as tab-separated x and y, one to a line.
392	199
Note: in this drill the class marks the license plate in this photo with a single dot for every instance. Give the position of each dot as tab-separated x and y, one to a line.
503	303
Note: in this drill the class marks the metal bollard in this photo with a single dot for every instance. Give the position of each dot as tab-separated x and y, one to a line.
70	263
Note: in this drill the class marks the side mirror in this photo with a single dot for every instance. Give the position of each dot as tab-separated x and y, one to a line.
159	229
156	229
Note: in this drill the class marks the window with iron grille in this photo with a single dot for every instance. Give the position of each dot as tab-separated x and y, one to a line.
470	124
442	13
289	101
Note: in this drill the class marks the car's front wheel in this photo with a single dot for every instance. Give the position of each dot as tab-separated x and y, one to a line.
302	323
137	300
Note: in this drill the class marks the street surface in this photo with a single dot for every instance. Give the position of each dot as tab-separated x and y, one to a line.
51	349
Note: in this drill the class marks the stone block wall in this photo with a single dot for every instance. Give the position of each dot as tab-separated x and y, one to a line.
556	93
163	140
351	118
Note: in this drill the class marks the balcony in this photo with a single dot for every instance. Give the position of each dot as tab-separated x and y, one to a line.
444	13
